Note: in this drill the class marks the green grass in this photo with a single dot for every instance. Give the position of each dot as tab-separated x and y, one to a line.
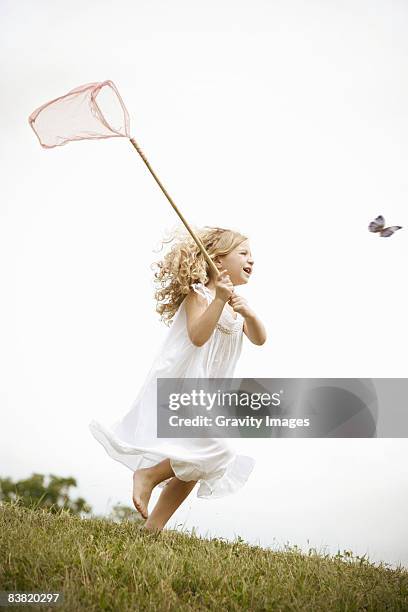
102	565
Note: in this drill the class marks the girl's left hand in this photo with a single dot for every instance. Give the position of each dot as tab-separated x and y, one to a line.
239	304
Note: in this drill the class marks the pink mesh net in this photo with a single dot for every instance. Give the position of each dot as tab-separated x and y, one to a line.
78	116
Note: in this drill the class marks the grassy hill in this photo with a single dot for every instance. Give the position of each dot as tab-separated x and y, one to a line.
102	565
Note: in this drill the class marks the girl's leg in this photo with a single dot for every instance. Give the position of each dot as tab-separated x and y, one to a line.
172	495
144	481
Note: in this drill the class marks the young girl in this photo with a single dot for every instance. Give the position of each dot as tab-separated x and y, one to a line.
207	320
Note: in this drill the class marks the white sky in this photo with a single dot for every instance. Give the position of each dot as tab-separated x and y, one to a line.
285	120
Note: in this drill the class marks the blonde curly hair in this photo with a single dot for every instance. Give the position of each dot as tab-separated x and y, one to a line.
184	264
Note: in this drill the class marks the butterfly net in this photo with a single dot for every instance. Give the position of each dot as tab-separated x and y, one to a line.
94	110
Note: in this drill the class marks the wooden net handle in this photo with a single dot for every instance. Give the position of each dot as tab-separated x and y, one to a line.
193	235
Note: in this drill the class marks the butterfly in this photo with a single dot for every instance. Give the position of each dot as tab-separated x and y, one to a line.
378	226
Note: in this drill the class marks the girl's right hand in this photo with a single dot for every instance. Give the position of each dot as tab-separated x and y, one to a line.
224	288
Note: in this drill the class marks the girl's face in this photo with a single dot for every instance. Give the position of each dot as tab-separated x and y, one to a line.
239	263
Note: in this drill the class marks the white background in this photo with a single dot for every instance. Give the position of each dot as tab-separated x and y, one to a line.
285	120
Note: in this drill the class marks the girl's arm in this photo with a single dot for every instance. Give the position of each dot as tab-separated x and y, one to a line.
253	326
254	329
202	317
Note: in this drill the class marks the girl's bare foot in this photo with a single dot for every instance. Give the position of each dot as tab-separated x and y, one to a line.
151	529
142	490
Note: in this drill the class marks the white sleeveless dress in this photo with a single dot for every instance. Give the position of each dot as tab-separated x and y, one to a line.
133	441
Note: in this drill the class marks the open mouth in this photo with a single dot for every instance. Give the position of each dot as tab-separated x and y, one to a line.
247	270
